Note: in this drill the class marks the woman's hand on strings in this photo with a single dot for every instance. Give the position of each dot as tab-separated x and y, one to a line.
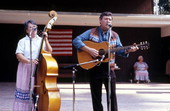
35	61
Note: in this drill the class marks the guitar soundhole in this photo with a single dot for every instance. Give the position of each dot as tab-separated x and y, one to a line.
101	52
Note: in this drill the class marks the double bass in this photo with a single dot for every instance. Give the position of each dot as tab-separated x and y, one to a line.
46	91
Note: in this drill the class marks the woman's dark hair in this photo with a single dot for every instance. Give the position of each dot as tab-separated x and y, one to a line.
105	14
27	22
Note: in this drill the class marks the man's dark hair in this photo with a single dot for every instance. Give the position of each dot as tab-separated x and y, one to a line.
27	22
105	14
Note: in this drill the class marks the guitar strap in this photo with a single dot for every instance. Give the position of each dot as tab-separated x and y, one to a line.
95	33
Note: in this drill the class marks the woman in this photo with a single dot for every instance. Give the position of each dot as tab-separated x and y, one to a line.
141	70
27	59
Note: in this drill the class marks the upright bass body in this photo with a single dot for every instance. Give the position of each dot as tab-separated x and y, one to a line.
49	96
46	90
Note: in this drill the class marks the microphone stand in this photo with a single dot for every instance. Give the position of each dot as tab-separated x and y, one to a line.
109	78
31	71
31	66
74	76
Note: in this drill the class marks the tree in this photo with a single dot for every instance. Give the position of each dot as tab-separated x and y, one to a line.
164	6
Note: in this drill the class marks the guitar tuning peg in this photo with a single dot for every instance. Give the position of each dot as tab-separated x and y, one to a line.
147	47
140	43
144	45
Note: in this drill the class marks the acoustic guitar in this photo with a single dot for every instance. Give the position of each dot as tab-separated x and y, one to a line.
84	57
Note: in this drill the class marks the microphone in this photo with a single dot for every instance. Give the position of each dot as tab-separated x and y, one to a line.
110	25
34	29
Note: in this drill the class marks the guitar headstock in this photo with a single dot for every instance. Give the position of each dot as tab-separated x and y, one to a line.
143	45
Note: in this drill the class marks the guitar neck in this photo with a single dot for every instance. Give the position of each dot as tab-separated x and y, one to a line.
140	46
120	48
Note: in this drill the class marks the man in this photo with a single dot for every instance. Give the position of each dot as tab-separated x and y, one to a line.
99	74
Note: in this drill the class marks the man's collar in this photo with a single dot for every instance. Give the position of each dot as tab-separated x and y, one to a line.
103	32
